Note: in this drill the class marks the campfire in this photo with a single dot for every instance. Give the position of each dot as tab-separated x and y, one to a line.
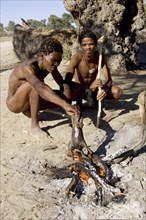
91	176
88	165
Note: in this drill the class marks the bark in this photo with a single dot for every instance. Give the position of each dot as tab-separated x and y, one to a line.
118	20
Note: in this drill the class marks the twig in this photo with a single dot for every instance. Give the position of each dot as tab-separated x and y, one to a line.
118	153
72	185
100	41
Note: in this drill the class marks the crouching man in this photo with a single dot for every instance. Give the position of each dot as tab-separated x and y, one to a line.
27	92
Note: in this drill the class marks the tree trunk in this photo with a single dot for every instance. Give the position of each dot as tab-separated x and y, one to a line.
118	20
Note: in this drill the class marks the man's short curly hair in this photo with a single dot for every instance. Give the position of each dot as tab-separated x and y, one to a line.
87	34
51	45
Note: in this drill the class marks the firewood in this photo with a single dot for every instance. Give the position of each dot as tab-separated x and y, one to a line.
91	171
88	165
72	185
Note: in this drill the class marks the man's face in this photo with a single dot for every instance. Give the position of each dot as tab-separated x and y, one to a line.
52	61
88	46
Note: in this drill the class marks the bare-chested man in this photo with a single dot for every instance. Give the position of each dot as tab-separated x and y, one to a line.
27	91
81	77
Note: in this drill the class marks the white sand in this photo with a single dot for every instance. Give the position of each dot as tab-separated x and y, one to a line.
27	187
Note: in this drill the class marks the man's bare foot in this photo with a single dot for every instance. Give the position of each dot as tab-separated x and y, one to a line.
37	133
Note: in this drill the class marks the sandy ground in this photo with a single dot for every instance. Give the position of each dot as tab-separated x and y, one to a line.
30	186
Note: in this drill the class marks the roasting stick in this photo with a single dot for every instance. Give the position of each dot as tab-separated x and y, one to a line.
56	112
100	41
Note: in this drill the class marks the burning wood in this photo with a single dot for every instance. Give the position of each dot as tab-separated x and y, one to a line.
119	155
88	164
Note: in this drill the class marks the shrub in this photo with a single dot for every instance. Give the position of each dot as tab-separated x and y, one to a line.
67	51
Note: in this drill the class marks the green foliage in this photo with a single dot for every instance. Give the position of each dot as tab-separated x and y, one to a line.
67	51
68	21
55	22
1	27
37	24
65	22
10	26
2	30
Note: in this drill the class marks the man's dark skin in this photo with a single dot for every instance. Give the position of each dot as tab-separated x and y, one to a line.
82	73
29	94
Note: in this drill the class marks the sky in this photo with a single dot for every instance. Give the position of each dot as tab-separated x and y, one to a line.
14	10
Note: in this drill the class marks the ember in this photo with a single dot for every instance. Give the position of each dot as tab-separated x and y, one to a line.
90	165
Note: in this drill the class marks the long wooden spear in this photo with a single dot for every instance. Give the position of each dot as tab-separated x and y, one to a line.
100	42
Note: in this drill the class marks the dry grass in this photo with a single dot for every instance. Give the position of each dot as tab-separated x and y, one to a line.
6	38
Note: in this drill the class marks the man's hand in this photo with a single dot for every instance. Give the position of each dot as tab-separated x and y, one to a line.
101	95
96	83
71	109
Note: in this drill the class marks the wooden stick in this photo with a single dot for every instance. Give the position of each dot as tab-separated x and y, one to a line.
118	153
100	41
72	185
90	170
55	112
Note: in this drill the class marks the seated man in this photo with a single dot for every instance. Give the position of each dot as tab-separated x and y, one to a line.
81	78
27	91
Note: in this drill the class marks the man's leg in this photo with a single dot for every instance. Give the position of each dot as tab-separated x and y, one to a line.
37	104
19	102
116	92
34	101
26	100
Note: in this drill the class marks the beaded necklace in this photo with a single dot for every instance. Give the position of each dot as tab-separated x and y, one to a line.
90	66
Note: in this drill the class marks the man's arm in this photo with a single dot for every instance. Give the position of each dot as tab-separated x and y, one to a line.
69	75
106	73
58	79
107	85
48	94
71	68
44	90
98	82
108	80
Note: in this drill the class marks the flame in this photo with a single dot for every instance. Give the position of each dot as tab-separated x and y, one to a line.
84	177
100	171
77	155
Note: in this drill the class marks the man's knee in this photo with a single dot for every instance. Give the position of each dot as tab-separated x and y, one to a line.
117	92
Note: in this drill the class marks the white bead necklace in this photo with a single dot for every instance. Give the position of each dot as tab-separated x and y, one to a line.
91	68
